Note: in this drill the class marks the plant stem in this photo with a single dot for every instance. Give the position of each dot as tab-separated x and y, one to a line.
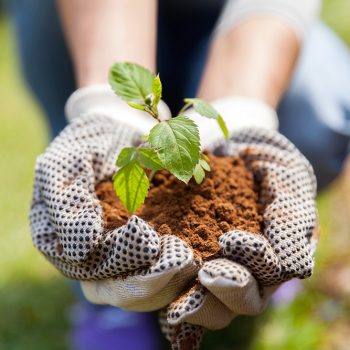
153	112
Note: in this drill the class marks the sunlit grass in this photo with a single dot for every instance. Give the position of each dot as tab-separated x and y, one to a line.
336	14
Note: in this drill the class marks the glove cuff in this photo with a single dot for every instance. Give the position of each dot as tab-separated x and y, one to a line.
238	113
241	112
101	99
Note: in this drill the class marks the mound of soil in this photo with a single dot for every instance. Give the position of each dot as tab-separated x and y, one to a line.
227	199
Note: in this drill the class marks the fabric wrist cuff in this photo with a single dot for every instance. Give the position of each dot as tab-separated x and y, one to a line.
101	99
238	113
241	112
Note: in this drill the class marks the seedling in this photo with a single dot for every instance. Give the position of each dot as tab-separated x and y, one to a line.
172	144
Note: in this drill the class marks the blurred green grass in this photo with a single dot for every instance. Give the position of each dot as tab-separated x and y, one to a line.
34	298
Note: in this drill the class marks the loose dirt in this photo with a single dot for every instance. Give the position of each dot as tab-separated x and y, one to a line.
227	199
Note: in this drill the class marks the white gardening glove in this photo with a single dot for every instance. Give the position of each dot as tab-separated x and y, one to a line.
100	99
131	266
251	266
67	218
238	113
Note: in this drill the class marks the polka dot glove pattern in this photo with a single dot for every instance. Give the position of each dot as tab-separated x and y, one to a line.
287	197
252	266
134	268
151	288
183	336
67	222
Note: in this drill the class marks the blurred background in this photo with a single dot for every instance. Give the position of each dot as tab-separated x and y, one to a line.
36	302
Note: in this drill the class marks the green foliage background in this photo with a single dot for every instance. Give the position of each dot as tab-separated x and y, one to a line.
35	299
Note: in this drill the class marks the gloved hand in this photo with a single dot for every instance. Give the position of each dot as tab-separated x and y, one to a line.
67	218
67	225
251	266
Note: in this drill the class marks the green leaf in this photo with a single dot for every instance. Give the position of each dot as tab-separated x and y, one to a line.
125	156
137	106
203	108
131	82
203	163
198	173
205	157
223	126
176	142
157	90
206	110
149	159
131	185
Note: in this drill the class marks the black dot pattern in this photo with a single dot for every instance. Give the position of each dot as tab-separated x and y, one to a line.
255	253
287	196
186	304
253	263
174	253
235	286
66	217
182	336
226	269
227	289
149	288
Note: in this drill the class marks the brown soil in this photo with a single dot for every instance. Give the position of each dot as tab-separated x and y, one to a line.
227	199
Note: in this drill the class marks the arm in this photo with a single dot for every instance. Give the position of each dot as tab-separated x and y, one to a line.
254	59
256	47
102	32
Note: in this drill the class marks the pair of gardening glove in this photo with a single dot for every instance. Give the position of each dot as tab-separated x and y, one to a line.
134	268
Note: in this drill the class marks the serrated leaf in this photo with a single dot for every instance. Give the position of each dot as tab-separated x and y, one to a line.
149	159
198	174
131	82
125	156
203	163
176	142
206	110
157	90
131	185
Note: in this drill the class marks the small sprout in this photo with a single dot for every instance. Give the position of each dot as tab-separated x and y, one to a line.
174	144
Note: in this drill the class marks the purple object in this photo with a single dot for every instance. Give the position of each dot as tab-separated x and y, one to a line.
96	327
287	292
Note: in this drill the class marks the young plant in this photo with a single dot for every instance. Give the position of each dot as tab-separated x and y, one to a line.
172	144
